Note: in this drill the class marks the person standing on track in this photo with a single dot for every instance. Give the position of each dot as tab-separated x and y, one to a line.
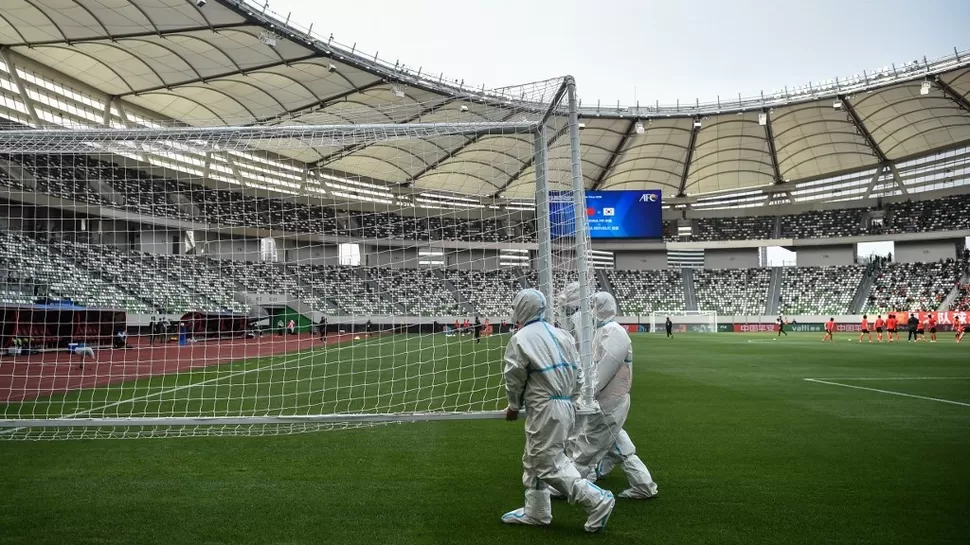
323	327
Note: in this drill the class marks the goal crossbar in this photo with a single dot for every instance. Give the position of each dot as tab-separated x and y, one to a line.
247	420
214	138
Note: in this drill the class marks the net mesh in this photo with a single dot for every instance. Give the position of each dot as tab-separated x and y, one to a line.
355	270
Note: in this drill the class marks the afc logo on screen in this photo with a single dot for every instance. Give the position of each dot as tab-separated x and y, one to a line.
609	212
649	197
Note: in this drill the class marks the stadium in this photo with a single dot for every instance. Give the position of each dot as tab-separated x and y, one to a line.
299	259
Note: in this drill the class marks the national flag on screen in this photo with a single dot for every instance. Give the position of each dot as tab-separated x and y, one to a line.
608	212
590	211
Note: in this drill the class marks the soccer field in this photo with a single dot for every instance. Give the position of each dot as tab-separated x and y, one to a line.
745	449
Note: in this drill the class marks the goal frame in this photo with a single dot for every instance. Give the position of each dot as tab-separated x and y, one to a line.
564	103
658	317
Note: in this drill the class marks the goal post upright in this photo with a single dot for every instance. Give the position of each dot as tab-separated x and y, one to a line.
587	401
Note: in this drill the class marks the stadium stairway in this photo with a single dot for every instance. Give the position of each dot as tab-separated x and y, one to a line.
607	286
774	292
954	292
690	297
864	290
462	301
17	173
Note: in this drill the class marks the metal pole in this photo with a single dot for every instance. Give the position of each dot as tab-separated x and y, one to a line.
587	402
544	256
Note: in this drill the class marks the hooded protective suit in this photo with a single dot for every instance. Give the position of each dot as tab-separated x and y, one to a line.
603	435
568	303
541	376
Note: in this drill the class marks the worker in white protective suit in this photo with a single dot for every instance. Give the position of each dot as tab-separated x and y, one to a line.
541	377
568	307
603	437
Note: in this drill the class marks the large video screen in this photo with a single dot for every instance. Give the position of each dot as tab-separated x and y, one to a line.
611	214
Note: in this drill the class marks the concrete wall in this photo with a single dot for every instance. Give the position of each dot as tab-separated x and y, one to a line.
156	241
475	260
925	251
322	254
397	258
738	258
241	249
639	260
825	256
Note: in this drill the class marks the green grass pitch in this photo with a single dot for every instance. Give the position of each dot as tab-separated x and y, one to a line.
745	450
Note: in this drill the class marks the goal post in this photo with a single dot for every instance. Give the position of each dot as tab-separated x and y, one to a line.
329	274
692	321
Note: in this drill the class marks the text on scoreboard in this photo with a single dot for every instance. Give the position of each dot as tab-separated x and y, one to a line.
610	214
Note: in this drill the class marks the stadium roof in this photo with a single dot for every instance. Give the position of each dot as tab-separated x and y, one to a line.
229	63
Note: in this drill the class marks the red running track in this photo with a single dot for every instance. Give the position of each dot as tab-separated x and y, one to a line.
41	375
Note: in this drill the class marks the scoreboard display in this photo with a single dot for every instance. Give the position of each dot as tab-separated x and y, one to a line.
610	214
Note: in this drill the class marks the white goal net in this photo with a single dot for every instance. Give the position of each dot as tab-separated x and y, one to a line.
348	268
684	321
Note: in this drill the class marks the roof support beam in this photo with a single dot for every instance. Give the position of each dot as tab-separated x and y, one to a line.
454	152
140	34
235	170
953	95
694	129
898	179
28	102
874	180
770	137
106	118
226	74
320	104
339	154
854	118
124	120
525	166
616	154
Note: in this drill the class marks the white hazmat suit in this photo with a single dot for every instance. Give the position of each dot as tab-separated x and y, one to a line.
541	376
603	437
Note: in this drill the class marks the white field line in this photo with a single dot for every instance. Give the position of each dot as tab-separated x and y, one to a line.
890	392
891	378
308	354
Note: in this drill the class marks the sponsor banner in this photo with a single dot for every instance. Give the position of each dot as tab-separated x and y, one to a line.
944	318
772	327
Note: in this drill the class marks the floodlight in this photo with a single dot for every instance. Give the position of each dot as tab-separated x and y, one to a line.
582	126
638	126
837	105
924	89
398	92
762	119
697	123
332	68
464	108
267	38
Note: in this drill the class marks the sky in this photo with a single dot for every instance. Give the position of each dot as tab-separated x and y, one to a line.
631	51
644	51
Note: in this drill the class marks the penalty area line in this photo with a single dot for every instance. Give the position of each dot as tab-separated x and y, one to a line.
890	392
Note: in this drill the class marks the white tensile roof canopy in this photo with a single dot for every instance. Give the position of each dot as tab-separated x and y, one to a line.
175	61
